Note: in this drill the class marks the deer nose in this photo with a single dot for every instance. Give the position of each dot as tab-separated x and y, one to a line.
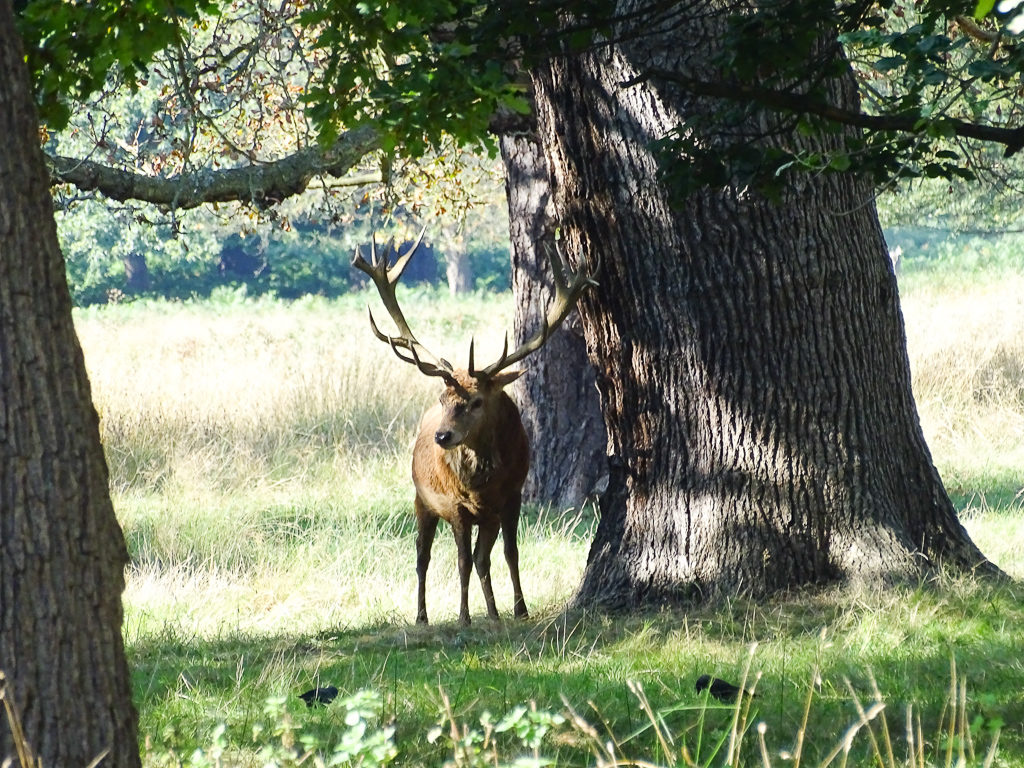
443	437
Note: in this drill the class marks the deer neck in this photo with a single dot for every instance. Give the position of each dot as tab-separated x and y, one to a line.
474	464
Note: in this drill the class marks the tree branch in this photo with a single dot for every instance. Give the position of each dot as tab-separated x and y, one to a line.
263	184
789	101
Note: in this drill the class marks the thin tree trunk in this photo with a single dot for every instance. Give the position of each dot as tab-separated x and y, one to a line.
458	269
62	553
751	356
557	397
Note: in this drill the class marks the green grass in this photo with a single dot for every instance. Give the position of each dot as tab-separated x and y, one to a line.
904	642
259	460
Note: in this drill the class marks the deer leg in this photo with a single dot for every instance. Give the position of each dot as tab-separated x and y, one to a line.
509	532
482	559
463	542
426	527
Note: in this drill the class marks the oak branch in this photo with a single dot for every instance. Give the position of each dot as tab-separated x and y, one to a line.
259	183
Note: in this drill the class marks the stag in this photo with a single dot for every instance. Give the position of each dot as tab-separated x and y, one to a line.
471	454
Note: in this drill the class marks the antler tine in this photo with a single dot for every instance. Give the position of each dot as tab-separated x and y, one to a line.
568	289
443	369
385	280
504	354
396	271
398	344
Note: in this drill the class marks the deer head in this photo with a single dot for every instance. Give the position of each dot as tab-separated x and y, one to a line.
469	393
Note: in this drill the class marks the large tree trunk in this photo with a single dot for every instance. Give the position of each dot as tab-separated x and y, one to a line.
62	553
557	397
751	356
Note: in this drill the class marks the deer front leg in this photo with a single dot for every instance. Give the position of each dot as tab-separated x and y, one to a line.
463	542
482	559
426	527
509	534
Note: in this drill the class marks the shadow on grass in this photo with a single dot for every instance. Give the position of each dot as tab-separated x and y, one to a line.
1000	495
904	639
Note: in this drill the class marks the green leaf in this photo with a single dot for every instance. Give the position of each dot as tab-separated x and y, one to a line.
983	8
887	63
840	163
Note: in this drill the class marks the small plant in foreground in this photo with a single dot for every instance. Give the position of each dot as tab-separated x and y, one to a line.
474	747
283	744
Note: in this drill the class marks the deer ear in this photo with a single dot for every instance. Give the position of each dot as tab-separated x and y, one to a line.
506	377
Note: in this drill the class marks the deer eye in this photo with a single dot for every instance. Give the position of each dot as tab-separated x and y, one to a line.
475	403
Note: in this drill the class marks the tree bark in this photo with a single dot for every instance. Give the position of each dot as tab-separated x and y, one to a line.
557	397
751	357
458	270
258	183
62	553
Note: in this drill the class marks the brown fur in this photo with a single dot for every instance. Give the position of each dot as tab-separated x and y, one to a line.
468	466
471	455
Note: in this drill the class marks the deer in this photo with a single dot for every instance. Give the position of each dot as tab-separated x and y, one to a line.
471	453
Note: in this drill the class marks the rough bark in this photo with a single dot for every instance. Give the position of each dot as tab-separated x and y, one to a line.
62	553
751	356
259	183
557	396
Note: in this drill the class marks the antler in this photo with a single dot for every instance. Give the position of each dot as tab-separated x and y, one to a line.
566	295
385	279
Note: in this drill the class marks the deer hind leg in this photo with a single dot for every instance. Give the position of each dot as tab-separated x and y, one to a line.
463	531
509	534
426	527
482	559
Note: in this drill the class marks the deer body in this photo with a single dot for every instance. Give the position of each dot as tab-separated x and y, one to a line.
475	482
471	454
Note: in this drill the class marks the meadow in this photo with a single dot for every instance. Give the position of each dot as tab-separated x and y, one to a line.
259	457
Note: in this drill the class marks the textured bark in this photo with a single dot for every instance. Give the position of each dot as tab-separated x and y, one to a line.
62	554
259	184
557	397
751	356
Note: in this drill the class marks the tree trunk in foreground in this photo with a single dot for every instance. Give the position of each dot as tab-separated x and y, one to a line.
62	553
557	396
751	356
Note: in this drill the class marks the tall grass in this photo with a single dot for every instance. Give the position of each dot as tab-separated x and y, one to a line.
259	459
259	455
966	344
967	354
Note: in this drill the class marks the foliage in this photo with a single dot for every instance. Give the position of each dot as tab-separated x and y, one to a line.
202	252
934	88
227	94
71	48
402	75
935	85
424	70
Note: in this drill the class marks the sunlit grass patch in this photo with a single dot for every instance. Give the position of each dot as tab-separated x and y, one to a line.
259	455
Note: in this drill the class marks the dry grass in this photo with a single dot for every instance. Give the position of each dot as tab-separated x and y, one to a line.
966	347
259	457
259	453
259	464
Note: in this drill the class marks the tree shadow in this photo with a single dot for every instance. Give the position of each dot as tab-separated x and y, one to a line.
904	641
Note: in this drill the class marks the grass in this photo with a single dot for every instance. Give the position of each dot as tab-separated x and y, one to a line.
259	464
